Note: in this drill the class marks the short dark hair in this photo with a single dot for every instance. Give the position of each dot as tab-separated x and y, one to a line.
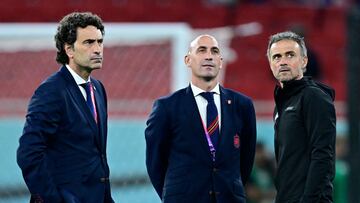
289	36
67	31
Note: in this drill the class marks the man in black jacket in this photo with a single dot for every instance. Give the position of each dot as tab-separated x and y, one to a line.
305	125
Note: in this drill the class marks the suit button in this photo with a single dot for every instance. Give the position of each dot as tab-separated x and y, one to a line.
215	170
211	192
103	180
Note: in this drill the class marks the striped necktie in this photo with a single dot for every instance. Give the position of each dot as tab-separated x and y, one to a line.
212	118
90	98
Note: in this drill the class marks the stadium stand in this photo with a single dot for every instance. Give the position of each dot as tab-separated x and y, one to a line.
243	74
135	75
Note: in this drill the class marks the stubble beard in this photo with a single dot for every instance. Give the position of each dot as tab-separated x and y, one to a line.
208	78
284	77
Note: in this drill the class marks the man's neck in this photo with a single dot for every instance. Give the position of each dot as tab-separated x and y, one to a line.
205	85
81	72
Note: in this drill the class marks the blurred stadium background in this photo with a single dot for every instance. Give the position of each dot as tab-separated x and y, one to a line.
145	42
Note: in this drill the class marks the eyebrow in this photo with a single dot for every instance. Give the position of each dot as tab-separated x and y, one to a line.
279	54
201	47
289	52
215	48
94	40
205	47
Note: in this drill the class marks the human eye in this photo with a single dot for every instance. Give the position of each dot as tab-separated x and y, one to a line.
276	57
216	51
89	42
290	55
201	50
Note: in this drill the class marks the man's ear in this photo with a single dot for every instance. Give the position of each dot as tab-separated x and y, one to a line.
221	62
69	49
187	60
305	61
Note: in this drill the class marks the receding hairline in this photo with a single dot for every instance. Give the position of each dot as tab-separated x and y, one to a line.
196	40
287	35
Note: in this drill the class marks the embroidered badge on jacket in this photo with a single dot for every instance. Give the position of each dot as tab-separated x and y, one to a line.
236	141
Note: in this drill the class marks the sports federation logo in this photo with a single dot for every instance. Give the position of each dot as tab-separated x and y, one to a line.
236	141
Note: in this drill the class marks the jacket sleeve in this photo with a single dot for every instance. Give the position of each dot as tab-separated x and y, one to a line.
41	124
157	146
248	140
320	123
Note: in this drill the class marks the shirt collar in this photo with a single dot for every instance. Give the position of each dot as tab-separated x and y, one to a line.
197	90
79	80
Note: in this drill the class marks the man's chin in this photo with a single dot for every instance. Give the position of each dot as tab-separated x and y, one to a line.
284	78
90	69
96	67
208	78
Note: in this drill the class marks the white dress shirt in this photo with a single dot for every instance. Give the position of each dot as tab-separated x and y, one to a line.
79	80
201	102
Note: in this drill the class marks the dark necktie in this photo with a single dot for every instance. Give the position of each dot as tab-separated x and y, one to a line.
212	117
90	98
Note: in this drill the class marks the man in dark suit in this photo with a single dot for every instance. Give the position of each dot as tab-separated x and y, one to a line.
62	151
200	140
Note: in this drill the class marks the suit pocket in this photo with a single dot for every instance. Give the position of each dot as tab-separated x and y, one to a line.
176	189
238	188
63	178
68	197
74	163
176	181
177	171
176	175
74	171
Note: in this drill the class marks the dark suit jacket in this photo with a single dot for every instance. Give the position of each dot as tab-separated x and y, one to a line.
62	151
178	158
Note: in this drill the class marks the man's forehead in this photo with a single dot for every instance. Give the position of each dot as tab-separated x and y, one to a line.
204	41
88	31
284	46
285	43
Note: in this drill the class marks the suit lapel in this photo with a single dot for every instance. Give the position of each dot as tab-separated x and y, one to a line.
78	97
99	103
226	123
194	119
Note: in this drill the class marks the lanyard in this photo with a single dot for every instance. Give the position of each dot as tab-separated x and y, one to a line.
211	146
93	101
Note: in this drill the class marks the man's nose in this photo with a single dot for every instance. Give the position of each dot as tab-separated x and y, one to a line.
98	47
209	56
284	61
